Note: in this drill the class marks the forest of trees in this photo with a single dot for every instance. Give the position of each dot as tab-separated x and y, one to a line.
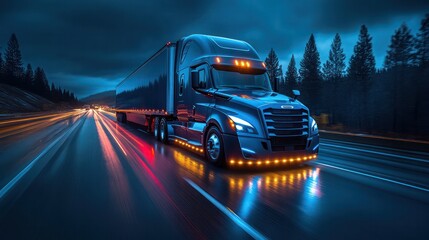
358	97
13	73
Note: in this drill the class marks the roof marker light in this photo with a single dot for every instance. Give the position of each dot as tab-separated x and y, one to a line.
218	59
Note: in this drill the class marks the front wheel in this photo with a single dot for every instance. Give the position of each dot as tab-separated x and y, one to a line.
214	146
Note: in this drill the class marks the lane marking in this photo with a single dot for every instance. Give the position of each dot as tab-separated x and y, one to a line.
375	136
228	212
141	130
18	177
374	146
375	177
375	152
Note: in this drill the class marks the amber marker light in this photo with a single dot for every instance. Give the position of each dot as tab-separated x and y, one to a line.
250	163
247	64
263	64
218	59
259	162
240	162
232	162
232	124
237	63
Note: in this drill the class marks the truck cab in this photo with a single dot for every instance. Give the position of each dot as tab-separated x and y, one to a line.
225	108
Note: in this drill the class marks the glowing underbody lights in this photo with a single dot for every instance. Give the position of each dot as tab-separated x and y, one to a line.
271	162
189	146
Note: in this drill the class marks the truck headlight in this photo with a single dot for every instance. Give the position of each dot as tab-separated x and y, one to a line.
242	126
314	129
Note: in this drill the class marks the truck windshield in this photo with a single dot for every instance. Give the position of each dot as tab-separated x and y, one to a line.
228	79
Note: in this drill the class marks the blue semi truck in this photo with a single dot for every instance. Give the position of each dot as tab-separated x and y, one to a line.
213	96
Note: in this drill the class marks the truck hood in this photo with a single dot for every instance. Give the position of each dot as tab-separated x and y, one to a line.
257	98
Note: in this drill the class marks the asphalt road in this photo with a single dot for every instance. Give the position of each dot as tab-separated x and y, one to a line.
80	175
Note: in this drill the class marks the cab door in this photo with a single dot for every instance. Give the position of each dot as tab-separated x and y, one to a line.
199	101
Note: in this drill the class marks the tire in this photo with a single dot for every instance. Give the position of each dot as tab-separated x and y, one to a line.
121	117
156	128
214	146
163	130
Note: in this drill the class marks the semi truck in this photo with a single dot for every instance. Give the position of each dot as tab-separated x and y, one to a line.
213	96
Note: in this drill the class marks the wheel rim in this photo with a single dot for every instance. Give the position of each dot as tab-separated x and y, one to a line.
213	146
155	128
162	130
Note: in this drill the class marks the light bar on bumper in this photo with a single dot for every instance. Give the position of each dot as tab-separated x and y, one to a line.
271	162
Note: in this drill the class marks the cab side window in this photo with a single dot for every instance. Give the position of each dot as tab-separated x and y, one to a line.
185	51
202	78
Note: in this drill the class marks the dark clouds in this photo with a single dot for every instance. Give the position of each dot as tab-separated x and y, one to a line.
88	46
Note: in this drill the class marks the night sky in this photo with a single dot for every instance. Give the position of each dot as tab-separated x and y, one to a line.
90	46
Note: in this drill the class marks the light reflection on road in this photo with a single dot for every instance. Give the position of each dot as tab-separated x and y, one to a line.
117	178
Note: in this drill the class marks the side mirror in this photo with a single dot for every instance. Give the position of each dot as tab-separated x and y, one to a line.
276	84
296	94
195	79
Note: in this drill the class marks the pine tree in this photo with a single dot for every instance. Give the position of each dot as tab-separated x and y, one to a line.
335	66
362	62
273	68
291	76
401	49
310	75
28	77
54	94
13	62
423	42
60	94
361	68
41	85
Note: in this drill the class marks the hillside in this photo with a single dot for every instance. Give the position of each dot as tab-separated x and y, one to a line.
15	100
103	98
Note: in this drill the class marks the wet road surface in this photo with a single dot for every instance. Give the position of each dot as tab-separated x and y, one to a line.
80	175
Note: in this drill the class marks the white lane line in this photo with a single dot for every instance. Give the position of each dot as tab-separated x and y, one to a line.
375	152
375	177
141	130
228	212
375	136
18	177
373	146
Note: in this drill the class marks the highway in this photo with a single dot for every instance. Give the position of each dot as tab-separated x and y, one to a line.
81	175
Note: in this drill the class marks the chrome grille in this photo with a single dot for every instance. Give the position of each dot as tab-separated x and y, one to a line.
287	128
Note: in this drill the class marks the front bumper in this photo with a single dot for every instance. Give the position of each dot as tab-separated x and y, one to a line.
250	151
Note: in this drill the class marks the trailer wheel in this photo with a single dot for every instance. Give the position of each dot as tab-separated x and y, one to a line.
156	128
163	130
214	146
121	117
